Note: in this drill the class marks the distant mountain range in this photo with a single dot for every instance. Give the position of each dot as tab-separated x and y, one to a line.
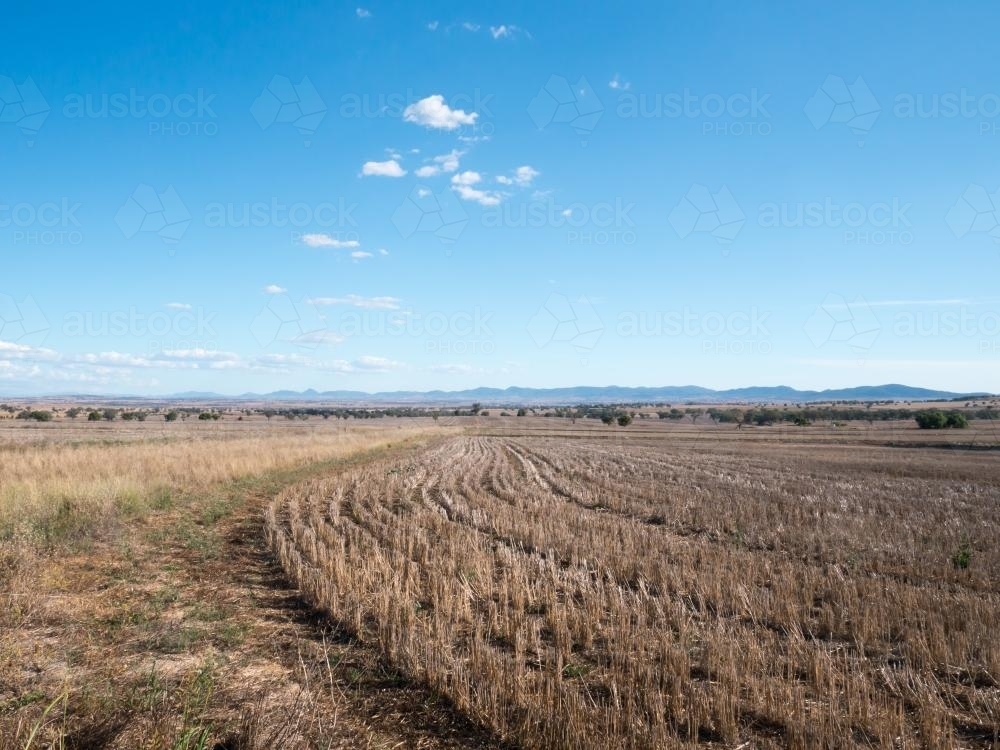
594	395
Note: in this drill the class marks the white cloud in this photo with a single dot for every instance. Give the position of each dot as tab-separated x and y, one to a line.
432	25
171	359
383	251
458	369
360	254
423	192
274	289
462	184
362	13
10	350
389	168
177	306
469	26
282	360
466	178
380	364
444	163
325	240
366	363
524	176
482	197
355	300
507	31
199	355
434	112
319	336
617	83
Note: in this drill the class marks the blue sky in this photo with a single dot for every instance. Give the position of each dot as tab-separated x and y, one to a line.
215	197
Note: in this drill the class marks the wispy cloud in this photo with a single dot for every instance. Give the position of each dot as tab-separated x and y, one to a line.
525	175
274	289
177	306
618	84
444	163
507	31
355	300
464	183
368	364
362	13
318	239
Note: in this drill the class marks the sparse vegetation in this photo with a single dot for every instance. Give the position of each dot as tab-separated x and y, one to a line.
559	582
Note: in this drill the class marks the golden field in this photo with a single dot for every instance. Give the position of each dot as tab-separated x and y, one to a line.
497	582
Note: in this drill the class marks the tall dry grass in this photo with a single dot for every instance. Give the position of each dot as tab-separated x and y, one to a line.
58	486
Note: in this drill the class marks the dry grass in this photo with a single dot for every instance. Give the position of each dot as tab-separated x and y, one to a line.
162	624
61	482
595	591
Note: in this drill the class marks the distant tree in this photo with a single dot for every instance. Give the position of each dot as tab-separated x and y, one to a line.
171	416
957	420
36	414
109	414
624	420
476	408
522	412
95	416
931	420
75	412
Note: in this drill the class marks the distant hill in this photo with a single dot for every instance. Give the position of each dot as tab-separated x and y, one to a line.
613	394
583	394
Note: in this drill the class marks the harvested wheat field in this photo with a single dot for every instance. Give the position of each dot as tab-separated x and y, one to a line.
582	589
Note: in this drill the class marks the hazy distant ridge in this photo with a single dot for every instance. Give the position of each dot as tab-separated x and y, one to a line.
604	394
